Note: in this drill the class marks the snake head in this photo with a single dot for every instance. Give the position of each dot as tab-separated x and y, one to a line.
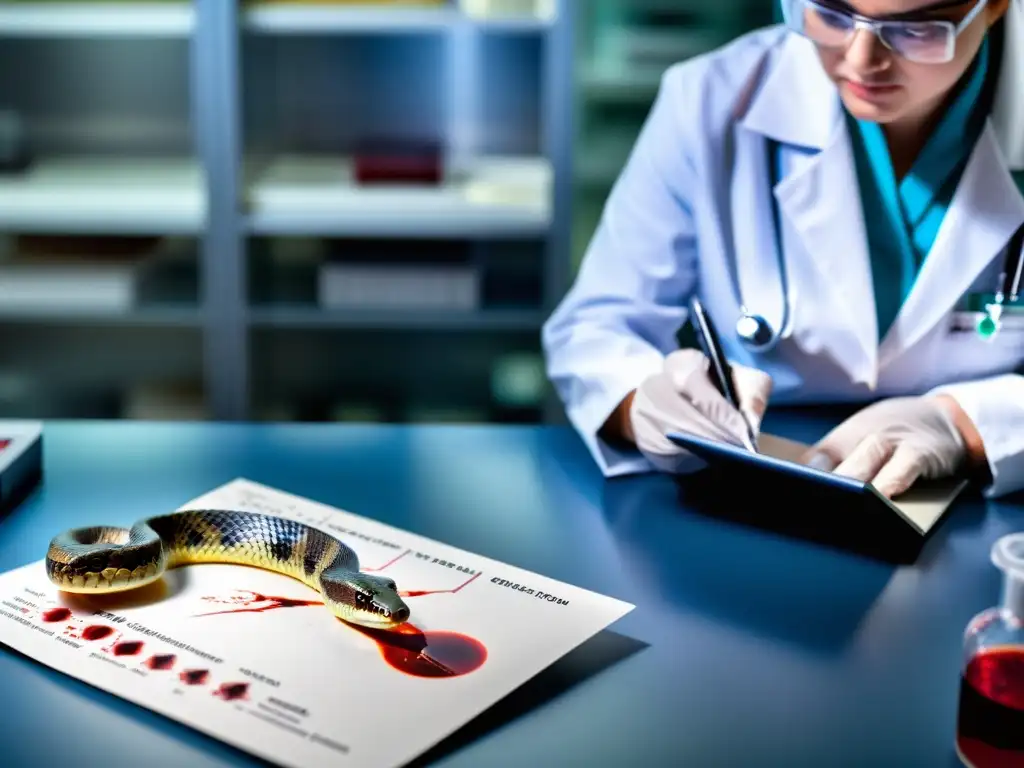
364	599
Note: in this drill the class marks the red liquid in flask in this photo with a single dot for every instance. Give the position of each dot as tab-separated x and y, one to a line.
990	721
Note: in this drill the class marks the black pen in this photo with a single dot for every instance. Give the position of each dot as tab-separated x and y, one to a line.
720	371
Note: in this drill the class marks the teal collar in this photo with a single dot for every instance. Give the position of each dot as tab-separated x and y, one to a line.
934	172
903	218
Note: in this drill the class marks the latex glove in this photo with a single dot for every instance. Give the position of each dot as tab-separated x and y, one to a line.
892	443
682	398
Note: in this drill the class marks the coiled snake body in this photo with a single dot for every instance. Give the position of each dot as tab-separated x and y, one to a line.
103	559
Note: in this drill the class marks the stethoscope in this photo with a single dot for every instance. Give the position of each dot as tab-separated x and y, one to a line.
758	335
753	330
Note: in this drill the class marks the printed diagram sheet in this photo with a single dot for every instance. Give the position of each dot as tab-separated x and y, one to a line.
255	659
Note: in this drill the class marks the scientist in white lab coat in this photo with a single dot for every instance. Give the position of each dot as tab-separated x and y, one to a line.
844	192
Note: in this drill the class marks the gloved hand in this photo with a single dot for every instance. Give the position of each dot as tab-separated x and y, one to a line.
682	398
892	443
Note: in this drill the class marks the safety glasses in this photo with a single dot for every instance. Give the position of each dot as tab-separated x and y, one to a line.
925	41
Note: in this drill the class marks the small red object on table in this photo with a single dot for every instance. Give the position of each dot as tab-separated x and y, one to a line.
21	461
399	163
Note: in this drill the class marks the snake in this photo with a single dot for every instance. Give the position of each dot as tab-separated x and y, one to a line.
99	560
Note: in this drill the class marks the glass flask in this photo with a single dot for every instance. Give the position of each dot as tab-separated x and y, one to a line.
990	717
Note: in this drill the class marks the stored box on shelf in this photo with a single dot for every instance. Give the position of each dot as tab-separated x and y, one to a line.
398	163
355	286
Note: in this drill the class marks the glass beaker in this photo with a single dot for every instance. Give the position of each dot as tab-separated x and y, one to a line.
990	717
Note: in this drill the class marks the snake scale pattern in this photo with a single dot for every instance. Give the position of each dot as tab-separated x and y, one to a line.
100	559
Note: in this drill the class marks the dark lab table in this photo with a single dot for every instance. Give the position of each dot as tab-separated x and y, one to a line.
745	648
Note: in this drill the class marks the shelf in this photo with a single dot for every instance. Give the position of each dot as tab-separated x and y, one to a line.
512	23
321	18
325	18
105	195
536	14
167	19
316	195
167	317
303	317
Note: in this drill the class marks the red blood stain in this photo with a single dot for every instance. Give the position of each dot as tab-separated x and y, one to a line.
4	444
128	648
407	648
245	605
194	676
161	661
428	654
250	604
96	632
56	614
232	691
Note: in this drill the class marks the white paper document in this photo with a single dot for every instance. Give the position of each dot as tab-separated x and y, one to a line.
256	660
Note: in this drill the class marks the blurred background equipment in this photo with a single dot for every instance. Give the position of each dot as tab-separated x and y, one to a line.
323	210
622	49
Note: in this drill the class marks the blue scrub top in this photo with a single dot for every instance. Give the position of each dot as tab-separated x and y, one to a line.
902	217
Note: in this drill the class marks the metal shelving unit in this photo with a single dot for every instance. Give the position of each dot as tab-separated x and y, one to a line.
228	125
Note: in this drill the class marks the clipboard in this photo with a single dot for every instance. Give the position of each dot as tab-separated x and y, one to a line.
772	491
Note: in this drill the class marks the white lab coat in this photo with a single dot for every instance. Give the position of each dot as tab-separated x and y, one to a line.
691	205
